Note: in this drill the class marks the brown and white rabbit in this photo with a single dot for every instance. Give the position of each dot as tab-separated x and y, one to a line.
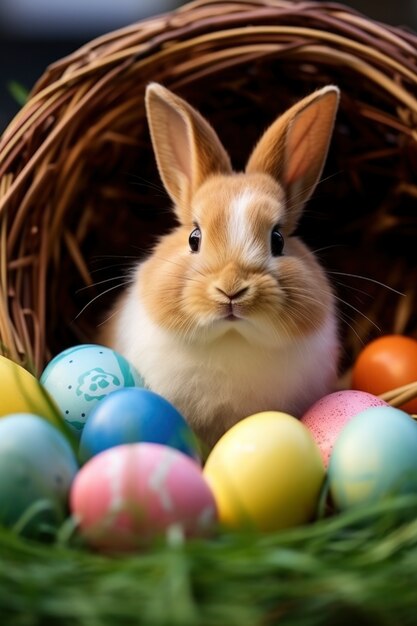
231	314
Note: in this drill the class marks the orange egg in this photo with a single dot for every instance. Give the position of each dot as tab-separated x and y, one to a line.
386	363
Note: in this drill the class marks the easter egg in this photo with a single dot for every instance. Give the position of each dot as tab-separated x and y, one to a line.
20	392
79	378
385	364
135	415
127	496
266	473
326	418
375	456
37	466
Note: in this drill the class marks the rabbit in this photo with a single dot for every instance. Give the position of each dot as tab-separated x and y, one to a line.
231	314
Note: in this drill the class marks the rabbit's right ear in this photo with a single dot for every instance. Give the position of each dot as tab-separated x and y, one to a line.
186	147
294	148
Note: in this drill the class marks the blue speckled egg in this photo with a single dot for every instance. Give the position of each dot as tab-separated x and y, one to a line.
37	466
375	456
135	416
80	377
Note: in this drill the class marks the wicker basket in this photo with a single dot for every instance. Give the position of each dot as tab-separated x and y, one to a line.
80	198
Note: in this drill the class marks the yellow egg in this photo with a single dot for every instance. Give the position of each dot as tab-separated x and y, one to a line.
21	392
266	473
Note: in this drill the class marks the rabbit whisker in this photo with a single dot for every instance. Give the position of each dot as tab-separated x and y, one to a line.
367	278
101	257
356	289
120	266
306	295
317	250
173	288
186	278
100	282
368	319
344	317
109	317
145	182
123	284
289	206
177	264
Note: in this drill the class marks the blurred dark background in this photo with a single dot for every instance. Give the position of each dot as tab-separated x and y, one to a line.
35	33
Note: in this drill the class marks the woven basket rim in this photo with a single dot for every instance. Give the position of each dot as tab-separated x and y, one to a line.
182	47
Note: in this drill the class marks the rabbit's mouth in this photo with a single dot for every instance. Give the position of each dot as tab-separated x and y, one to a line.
232	312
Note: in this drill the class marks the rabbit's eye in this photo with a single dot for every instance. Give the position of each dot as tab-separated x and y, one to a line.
277	242
194	240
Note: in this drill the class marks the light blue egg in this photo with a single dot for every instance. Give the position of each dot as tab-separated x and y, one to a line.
80	377
37	467
374	457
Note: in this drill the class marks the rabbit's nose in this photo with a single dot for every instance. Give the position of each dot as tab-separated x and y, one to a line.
233	295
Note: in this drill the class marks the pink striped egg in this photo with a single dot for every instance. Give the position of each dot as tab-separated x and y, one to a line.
128	495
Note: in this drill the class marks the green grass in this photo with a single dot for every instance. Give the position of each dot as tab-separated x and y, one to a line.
354	569
18	92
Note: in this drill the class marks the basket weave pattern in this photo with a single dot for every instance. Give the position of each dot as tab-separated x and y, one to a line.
79	194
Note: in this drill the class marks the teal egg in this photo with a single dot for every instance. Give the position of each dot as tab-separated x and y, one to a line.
374	457
37	467
78	378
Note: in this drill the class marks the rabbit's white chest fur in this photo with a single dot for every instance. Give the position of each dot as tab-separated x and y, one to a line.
216	384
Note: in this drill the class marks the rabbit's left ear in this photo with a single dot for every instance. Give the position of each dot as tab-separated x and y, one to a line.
293	149
186	147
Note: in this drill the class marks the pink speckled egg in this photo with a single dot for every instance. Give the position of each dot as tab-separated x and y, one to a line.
326	418
127	495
